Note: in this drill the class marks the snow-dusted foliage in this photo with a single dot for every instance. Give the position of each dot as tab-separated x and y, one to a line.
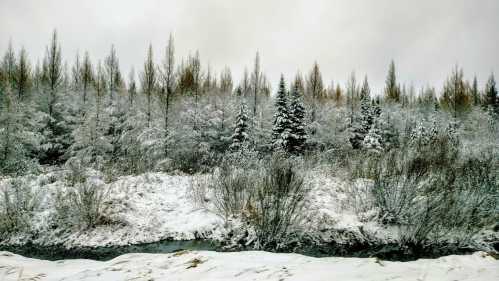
281	130
240	135
422	163
297	114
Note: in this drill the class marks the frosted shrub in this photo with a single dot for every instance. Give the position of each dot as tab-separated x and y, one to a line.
83	204
233	187
434	197
267	194
278	203
18	201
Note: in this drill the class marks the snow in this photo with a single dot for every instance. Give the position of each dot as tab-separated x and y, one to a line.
145	208
155	206
254	265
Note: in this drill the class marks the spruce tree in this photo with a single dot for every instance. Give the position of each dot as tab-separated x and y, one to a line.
454	97
22	75
298	135
392	89
491	102
148	81
240	135
365	91
86	76
475	93
9	65
281	126
362	123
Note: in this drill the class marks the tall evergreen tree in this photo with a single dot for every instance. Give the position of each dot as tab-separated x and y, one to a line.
86	76
22	75
255	84
148	81
53	72
392	89
112	71
298	135
132	87
455	97
168	80
475	93
9	65
240	135
352	92
226	81
365	91
14	137
314	89
491	101
281	127
100	88
76	73
363	122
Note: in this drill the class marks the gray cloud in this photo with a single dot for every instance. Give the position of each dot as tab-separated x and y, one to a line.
425	38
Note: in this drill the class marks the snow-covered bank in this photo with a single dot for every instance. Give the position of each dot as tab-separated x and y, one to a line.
141	209
195	265
155	206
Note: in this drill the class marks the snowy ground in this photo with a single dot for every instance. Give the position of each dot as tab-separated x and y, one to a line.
145	208
156	206
248	266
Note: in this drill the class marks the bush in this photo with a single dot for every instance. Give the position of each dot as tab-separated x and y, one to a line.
268	196
433	196
82	204
278	203
233	189
18	201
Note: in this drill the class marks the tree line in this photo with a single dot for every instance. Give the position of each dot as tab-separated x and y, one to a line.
182	112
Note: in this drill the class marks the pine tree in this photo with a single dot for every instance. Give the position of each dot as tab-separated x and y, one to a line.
392	89
352	92
298	135
382	135
53	72
281	126
455	98
86	76
362	123
226	82
365	91
113	71
240	135
10	143
76	73
148	81
475	93
491	101
9	65
132	87
314	90
255	84
59	118
167	80
373	140
22	75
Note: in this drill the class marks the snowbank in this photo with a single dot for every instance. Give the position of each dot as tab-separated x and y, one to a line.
195	265
145	208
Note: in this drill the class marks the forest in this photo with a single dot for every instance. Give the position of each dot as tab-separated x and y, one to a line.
422	161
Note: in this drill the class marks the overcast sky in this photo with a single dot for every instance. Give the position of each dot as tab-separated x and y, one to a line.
426	38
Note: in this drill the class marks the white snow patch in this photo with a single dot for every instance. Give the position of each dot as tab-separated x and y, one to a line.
200	265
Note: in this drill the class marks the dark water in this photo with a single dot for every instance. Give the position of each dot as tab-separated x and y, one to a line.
107	253
391	252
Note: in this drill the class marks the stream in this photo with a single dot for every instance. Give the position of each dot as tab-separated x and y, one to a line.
391	252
